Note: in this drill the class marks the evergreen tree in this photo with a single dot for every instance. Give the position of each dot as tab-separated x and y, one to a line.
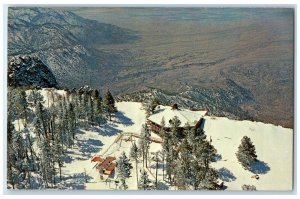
28	148
12	174
134	154
157	160
72	119
47	164
123	185
185	161
35	97
165	144
97	108
246	153
209	182
167	147
124	166
176	133
144	143
144	182
42	116
179	175
85	110
201	154
58	152
109	103
150	106
23	104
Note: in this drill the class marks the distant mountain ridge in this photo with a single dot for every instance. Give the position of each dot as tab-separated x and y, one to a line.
63	41
188	58
218	101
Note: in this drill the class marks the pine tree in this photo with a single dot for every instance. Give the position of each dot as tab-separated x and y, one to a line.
179	175
144	143
157	160
164	144
123	185
58	152
12	174
72	119
201	154
175	130
124	166
185	160
42	116
29	151
35	97
134	154
144	182
167	147
209	182
246	153
150	105
47	164
23	106
109	103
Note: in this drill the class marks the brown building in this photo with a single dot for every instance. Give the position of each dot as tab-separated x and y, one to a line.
107	166
186	117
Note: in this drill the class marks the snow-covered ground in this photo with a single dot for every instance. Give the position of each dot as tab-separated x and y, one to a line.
274	146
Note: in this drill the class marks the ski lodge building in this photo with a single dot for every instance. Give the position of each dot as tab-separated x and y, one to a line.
194	119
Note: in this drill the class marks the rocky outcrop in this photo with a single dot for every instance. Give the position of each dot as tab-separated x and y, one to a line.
30	71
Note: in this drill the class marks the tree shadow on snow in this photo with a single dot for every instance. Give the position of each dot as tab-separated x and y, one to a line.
121	118
226	175
218	157
75	181
79	131
158	110
85	150
259	167
89	146
153	165
106	130
67	158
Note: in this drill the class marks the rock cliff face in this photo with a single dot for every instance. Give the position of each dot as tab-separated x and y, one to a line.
30	71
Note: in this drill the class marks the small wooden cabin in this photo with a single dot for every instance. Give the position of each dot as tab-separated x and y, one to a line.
107	166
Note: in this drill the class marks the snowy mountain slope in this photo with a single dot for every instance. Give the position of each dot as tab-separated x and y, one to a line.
273	144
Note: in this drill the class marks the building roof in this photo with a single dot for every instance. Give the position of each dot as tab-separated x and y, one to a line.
111	167
106	163
184	115
97	158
